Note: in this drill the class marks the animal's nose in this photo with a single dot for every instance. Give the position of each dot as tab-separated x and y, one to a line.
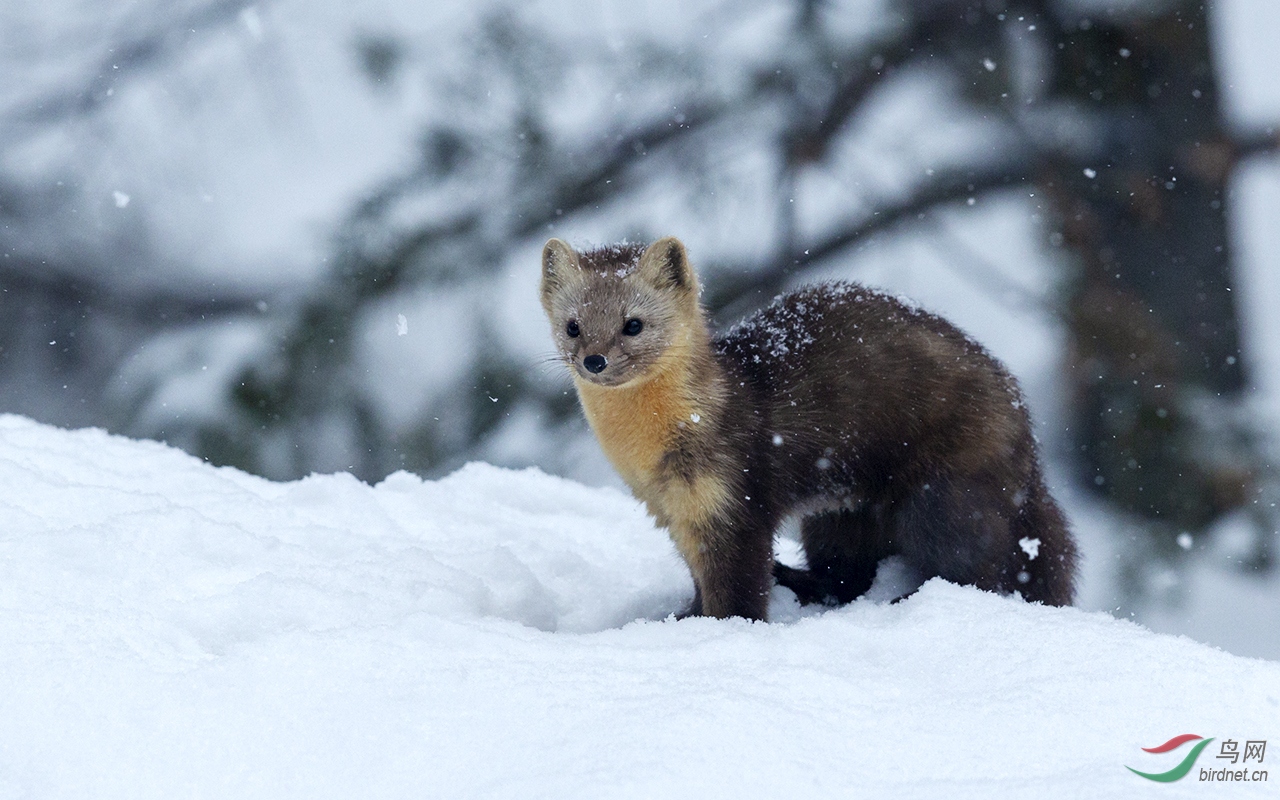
595	364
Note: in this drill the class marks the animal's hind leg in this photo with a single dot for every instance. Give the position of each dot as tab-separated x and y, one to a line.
961	529
843	548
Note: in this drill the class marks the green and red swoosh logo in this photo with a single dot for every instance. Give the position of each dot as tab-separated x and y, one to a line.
1183	768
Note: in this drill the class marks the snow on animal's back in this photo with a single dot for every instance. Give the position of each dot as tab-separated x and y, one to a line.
834	318
169	628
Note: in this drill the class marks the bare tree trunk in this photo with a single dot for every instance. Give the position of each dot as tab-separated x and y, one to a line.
1155	337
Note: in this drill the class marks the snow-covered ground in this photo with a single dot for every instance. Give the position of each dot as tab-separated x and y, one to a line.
168	629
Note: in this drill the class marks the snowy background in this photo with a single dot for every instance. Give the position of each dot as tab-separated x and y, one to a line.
173	629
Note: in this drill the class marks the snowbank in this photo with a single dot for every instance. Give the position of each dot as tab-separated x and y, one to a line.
168	629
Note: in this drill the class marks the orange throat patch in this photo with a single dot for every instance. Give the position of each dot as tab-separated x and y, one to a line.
635	424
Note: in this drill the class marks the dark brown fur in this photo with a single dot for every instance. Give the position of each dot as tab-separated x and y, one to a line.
886	428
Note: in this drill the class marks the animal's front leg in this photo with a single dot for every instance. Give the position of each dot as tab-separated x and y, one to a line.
735	573
694	609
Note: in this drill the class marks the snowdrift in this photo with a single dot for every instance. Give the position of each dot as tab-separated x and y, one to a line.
169	629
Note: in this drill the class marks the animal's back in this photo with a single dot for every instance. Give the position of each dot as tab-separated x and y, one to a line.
873	390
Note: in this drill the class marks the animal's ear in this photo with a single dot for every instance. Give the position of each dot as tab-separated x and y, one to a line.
558	262
665	264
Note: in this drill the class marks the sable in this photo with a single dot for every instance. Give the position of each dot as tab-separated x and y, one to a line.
885	428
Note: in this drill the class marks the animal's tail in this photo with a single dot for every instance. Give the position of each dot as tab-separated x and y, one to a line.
1045	563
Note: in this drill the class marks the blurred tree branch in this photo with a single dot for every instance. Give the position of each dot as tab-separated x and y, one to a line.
126	58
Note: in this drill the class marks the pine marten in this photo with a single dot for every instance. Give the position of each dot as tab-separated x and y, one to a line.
885	428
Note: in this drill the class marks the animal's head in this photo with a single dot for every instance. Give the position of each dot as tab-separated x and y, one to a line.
617	312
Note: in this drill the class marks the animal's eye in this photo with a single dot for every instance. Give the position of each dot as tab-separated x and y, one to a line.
572	329
632	327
